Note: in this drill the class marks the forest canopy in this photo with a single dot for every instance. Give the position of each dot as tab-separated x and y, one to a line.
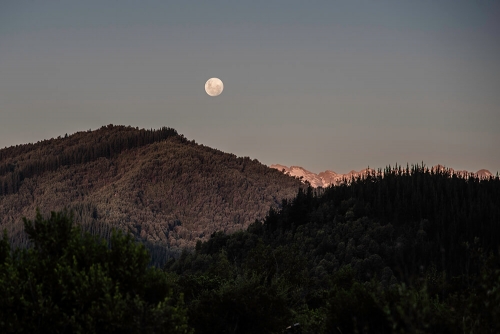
167	190
402	251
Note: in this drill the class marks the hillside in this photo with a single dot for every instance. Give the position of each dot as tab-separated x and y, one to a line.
398	251
403	251
158	185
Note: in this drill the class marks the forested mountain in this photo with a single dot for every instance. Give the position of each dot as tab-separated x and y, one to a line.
401	250
409	250
165	189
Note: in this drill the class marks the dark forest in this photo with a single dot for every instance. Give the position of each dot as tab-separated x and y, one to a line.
404	250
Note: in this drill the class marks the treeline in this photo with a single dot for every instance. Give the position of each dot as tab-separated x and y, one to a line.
412	251
428	216
25	161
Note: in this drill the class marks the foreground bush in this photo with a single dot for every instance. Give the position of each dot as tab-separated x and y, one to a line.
71	282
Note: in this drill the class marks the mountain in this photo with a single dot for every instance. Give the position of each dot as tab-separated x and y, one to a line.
323	179
481	174
406	251
165	189
328	177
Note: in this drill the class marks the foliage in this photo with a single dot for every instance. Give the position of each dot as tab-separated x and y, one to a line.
404	251
70	281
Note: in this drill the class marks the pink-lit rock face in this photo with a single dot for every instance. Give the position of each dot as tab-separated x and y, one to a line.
323	179
328	177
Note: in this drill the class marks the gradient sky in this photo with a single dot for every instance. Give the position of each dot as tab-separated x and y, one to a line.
336	85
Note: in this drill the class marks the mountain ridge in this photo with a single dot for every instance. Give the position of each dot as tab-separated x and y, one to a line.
156	184
329	177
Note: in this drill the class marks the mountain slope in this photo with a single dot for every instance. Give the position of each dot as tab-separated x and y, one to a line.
406	251
155	183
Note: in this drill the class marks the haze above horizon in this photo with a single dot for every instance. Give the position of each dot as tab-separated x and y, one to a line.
323	84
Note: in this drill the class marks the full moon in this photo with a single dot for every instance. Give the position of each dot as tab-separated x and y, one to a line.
214	86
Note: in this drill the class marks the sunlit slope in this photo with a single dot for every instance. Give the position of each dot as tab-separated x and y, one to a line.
155	183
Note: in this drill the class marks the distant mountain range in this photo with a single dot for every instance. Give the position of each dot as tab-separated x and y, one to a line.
328	177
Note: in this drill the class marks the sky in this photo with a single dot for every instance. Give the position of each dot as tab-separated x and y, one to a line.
326	85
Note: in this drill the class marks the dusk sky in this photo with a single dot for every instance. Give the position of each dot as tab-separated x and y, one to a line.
335	85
